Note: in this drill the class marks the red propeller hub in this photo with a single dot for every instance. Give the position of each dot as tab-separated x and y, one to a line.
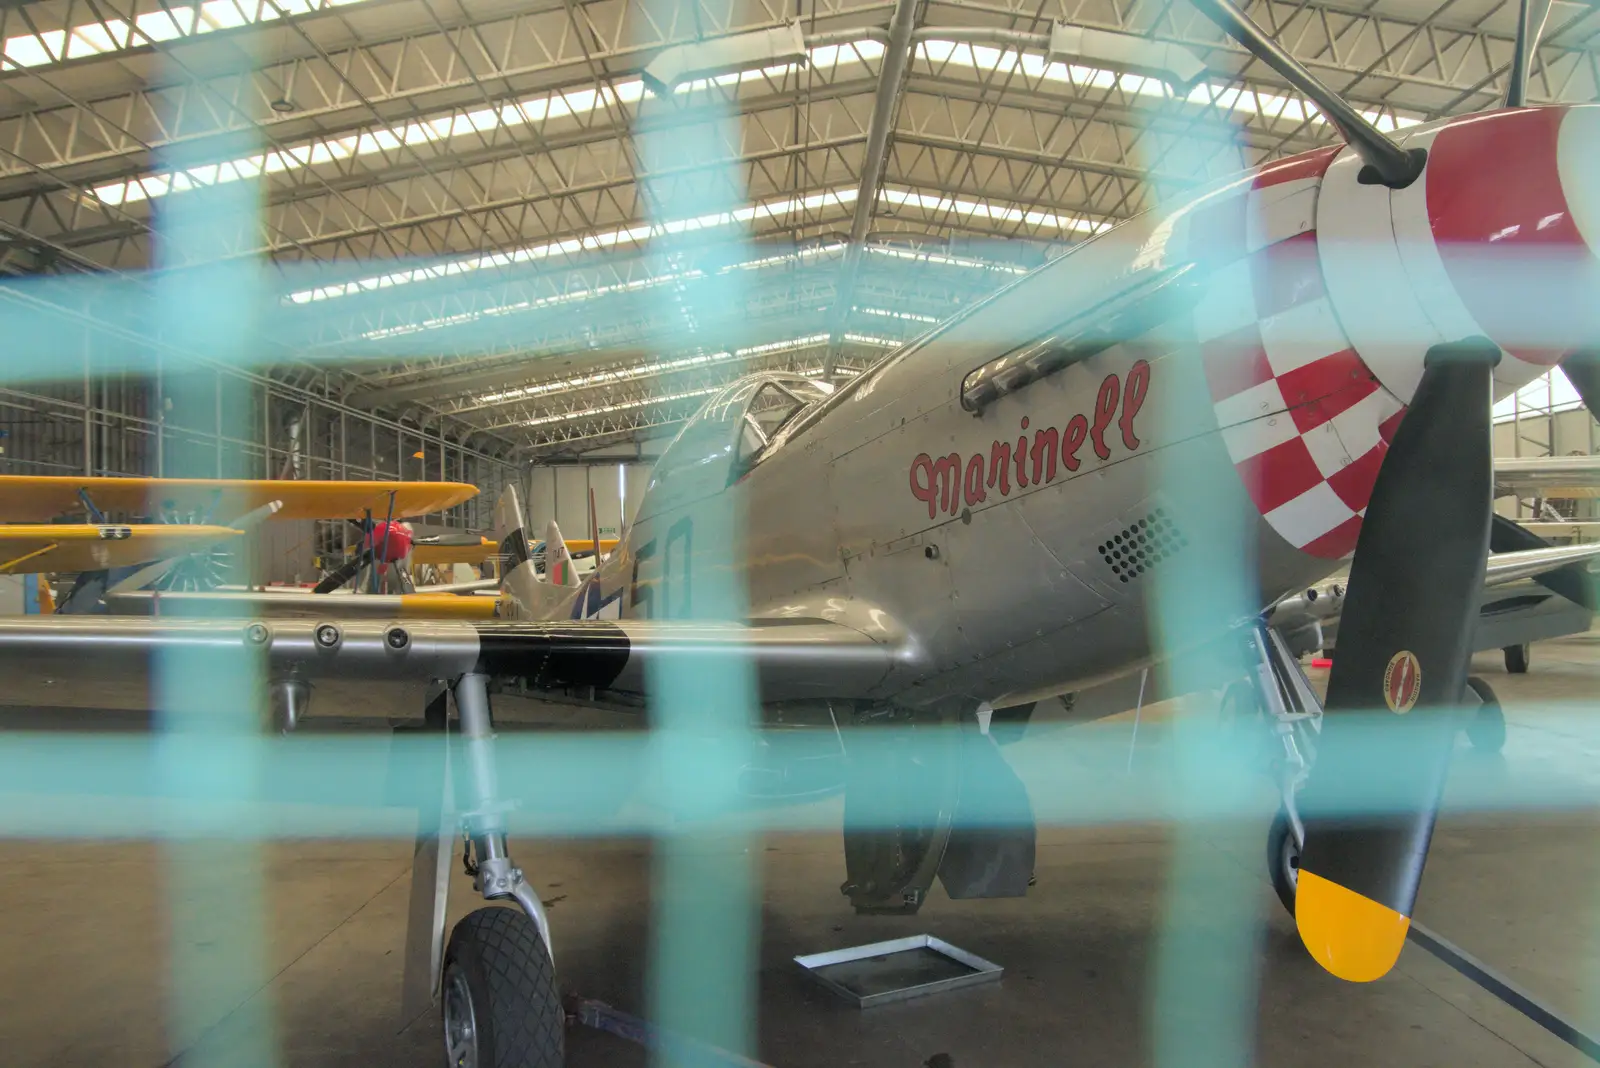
391	540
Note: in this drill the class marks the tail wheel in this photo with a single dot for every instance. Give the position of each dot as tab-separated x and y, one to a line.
1283	860
1486	730
1517	658
500	1004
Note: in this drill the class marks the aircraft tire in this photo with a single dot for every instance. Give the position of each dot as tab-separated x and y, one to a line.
500	1005
1486	730
1283	860
1517	658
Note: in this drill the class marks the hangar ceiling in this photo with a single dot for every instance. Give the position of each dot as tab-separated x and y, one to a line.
481	218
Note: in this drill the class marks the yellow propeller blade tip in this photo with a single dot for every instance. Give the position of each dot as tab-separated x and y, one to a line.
1350	935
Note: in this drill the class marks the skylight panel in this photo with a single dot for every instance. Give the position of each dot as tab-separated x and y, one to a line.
106	36
33	50
988	209
645	370
910	317
557	104
585	242
1227	98
585	413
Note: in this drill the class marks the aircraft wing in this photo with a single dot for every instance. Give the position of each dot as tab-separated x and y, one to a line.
247	604
1547	476
38	498
439	553
1325	601
33	548
792	658
1528	563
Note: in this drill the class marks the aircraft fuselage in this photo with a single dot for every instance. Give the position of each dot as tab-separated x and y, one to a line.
1175	423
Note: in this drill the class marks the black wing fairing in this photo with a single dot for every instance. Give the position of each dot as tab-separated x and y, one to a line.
579	652
791	658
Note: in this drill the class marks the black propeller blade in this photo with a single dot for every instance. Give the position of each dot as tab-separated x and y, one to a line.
1404	647
1388	163
342	574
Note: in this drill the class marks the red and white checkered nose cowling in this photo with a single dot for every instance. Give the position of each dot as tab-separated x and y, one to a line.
1327	293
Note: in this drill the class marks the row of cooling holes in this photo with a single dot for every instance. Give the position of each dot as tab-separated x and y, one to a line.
1142	545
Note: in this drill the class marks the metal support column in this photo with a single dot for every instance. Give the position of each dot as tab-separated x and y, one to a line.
891	77
88	407
431	852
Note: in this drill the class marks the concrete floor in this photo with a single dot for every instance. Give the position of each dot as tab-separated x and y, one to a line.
1141	943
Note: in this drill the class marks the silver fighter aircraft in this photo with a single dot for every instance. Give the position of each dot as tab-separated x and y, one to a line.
1290	367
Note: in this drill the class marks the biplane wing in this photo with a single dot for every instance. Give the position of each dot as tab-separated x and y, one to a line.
34	548
439	553
587	545
1558	477
39	498
246	604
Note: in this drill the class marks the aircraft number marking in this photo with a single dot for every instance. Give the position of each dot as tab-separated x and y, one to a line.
674	575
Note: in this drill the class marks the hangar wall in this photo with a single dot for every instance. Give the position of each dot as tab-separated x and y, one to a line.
562	493
1542	432
98	418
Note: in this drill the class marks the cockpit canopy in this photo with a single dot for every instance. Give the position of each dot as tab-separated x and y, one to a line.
727	437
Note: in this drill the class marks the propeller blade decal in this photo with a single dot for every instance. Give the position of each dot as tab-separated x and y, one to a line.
1400	670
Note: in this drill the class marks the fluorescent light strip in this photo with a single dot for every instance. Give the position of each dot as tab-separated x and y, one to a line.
602	377
784	346
593	292
566	417
869	339
556	105
644	370
528	111
1224	97
590	293
753	350
601	239
572	297
910	317
837	197
162	24
944	260
990	210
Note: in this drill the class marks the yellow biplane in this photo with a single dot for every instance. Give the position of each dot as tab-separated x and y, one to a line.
41	498
36	548
65	524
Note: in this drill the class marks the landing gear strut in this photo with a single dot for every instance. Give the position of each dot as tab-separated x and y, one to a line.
496	977
1280	694
1486	730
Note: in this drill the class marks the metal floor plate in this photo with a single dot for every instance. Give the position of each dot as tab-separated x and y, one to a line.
897	970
